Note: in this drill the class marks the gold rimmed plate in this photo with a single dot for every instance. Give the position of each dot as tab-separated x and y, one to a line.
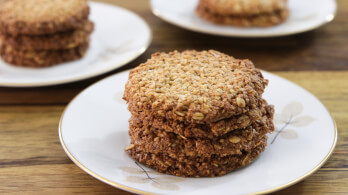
94	132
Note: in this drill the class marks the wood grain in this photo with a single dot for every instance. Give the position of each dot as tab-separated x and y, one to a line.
32	160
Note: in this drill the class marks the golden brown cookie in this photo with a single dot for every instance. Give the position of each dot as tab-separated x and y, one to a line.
58	41
39	17
41	58
257	20
195	87
243	7
197	166
262	113
157	141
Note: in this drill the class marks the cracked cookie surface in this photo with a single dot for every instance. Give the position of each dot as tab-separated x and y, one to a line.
195	87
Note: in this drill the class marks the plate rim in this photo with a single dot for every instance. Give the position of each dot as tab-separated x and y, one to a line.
135	190
329	18
93	74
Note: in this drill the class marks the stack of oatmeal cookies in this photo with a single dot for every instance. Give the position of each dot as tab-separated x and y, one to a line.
40	33
246	13
197	113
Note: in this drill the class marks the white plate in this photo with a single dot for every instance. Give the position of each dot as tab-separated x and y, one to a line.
119	37
93	132
304	16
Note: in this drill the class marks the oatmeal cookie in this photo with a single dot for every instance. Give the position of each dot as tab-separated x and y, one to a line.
39	17
156	141
243	7
257	20
197	166
195	87
208	130
41	58
58	41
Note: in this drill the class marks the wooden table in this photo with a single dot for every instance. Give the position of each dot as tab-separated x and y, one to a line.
32	160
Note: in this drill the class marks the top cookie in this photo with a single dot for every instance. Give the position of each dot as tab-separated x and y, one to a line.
196	87
243	7
38	17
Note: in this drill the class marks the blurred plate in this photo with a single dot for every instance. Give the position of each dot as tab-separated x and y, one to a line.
304	16
120	36
94	132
